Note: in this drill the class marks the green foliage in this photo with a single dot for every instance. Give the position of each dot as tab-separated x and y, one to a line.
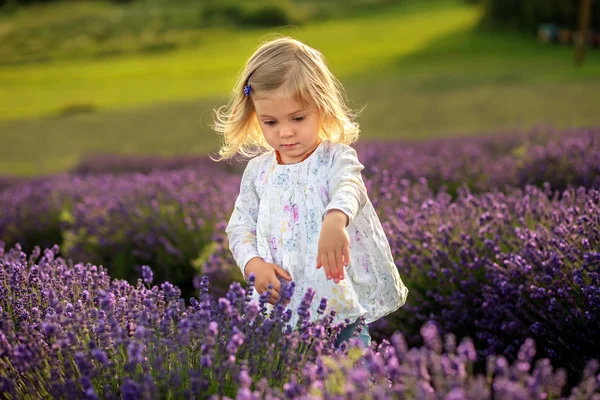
528	14
257	13
97	29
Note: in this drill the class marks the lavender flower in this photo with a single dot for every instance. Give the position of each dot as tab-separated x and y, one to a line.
147	274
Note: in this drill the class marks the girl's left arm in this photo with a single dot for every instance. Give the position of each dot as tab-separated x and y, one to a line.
347	190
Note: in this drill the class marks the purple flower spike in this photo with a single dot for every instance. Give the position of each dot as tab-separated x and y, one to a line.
147	274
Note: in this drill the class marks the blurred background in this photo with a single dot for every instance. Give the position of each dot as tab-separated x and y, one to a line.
141	77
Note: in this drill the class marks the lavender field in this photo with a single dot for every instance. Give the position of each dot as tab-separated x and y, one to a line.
116	280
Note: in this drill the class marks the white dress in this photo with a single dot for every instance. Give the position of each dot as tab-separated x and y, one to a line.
278	216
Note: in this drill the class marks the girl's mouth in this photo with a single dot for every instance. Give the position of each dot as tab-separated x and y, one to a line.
288	146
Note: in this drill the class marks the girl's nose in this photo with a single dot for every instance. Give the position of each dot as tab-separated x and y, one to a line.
286	132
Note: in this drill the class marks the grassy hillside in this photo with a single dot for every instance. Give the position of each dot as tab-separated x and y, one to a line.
421	70
353	46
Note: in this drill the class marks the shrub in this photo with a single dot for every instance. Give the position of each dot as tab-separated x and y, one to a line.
164	219
529	14
72	331
263	13
76	108
501	267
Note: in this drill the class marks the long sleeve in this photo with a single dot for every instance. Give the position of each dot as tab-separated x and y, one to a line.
346	188
241	229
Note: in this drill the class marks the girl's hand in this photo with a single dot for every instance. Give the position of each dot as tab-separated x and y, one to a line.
334	245
266	273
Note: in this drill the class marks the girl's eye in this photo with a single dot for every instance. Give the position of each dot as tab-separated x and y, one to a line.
269	123
298	119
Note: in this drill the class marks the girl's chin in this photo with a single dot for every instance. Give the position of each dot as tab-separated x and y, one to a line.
291	158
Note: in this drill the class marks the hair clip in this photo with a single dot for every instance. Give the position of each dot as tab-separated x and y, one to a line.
248	88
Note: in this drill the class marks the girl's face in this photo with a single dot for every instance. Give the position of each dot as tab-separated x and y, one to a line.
286	124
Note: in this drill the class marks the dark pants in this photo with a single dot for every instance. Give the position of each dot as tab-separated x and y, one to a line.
347	333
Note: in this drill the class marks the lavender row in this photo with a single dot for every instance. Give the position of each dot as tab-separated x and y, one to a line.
501	267
124	164
70	331
164	219
543	154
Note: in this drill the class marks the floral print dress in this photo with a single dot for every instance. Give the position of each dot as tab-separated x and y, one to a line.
278	215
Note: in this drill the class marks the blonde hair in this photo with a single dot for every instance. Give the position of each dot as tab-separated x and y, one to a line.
305	74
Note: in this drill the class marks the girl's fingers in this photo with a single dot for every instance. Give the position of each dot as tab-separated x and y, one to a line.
326	267
346	251
282	272
276	286
339	263
333	268
325	263
273	290
274	295
333	263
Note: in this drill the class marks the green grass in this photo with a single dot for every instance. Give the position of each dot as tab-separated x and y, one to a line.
422	70
209	69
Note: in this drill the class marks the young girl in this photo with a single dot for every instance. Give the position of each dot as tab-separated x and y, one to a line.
303	213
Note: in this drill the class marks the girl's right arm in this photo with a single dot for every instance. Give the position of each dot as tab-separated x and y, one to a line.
241	229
